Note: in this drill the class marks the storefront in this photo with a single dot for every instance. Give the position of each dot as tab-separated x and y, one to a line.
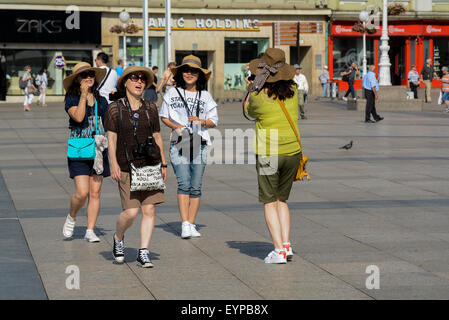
225	44
46	39
411	42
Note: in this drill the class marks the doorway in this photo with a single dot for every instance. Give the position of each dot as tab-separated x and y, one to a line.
397	59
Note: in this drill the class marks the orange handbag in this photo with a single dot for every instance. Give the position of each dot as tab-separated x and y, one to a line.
302	172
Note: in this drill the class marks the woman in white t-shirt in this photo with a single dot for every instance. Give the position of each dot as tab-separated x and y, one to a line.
189	110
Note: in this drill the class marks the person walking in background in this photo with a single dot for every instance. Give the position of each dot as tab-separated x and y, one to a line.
427	75
324	78
276	169
349	76
129	120
42	82
189	110
30	89
167	79
150	94
120	67
110	80
303	88
413	81
371	87
445	88
80	100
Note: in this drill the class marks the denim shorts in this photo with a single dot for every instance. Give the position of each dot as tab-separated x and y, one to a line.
445	96
189	173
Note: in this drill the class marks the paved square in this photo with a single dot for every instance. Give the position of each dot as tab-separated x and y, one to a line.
385	203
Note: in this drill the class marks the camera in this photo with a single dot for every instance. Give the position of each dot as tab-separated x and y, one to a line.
148	149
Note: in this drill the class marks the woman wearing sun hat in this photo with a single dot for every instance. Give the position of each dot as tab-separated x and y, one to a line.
189	110
277	158
81	95
140	120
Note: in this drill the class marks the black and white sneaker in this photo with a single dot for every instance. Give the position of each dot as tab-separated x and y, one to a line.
119	250
143	259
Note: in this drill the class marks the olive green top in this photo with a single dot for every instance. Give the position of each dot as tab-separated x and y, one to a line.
269	116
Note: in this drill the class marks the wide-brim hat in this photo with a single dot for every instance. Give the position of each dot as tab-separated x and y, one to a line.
271	57
82	67
193	62
133	69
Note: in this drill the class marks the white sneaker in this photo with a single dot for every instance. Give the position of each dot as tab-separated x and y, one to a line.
194	232
91	236
186	230
275	257
289	251
69	225
345	99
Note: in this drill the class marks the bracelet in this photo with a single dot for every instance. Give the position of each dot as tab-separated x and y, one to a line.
164	165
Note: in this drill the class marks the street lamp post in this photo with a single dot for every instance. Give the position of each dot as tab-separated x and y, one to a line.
364	17
124	17
145	34
167	32
384	65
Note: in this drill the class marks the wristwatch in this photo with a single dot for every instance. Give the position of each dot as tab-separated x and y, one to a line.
164	165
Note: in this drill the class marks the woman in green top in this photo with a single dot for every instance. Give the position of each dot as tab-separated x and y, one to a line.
277	149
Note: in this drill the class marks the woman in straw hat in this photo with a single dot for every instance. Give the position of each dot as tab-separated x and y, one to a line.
139	121
189	110
80	98
277	156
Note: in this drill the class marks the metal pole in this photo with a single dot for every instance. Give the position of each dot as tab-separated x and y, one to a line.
384	65
124	45
364	48
145	34
167	31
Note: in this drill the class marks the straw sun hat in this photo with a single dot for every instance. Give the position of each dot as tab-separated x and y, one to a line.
193	62
82	67
133	69
271	58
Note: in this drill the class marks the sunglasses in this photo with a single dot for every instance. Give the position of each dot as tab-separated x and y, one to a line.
135	77
191	71
85	74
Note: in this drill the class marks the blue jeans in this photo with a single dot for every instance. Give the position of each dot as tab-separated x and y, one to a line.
351	89
189	174
325	87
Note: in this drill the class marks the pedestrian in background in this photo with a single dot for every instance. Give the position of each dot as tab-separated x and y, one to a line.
110	80
324	78
371	87
276	169
167	79
349	76
445	88
413	81
30	89
130	121
303	89
80	99
150	94
189	110
42	82
120	67
427	75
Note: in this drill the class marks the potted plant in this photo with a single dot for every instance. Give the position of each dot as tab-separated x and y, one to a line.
396	9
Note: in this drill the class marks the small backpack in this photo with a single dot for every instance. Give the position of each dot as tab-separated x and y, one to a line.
22	83
38	80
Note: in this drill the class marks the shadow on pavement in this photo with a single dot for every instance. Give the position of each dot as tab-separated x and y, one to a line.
254	249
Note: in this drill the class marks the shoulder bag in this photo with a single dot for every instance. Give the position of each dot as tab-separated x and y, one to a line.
146	178
302	172
83	148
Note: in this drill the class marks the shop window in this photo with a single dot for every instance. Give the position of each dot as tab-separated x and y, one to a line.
16	60
347	51
440	54
134	52
238	52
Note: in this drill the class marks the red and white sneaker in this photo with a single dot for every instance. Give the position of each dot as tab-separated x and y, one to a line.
276	257
289	251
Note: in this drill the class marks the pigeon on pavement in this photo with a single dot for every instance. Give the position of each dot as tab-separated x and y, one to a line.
347	146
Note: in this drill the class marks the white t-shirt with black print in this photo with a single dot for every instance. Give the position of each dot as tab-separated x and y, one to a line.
174	109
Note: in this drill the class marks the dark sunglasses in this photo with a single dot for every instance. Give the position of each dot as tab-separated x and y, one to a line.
191	71
85	74
135	77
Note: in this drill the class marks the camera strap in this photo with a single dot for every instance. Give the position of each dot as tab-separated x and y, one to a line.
189	112
134	117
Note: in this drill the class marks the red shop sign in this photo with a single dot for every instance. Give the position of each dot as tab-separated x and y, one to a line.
345	29
436	30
